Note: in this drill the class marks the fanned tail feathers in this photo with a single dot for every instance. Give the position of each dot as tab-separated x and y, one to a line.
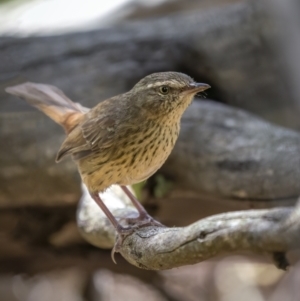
52	101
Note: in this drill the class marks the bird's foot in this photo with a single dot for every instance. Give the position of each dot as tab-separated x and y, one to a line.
134	224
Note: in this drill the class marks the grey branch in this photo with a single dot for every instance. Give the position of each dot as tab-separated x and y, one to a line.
273	231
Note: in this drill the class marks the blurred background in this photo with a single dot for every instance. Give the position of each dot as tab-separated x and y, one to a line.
248	51
25	18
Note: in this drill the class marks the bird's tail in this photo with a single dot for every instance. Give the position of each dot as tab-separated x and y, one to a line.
52	101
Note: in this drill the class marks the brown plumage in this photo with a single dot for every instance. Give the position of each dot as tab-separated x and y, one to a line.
123	140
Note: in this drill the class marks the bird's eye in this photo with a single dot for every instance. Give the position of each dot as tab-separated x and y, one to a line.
164	90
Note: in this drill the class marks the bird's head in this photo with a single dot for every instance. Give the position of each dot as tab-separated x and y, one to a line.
165	93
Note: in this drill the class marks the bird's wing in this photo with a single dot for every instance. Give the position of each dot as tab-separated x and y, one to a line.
105	126
94	134
101	124
99	132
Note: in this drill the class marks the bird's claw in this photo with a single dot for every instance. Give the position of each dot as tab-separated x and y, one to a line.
134	224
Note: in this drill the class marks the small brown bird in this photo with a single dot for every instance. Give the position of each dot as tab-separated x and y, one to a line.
123	140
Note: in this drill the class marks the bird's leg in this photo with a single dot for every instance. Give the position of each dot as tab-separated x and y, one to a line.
119	228
123	232
139	207
144	219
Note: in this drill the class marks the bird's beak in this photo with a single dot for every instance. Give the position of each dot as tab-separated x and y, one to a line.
197	87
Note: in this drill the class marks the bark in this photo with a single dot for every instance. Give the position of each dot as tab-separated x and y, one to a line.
273	231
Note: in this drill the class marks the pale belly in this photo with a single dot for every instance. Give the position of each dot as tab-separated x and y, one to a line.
145	171
137	165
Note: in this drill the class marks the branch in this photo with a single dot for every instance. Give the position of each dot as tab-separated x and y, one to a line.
273	231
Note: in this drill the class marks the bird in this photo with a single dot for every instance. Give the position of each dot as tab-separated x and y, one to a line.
124	139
